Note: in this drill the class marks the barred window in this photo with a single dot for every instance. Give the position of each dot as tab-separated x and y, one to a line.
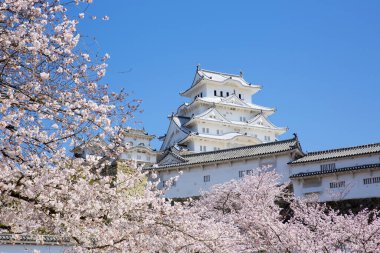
339	184
328	167
371	180
206	178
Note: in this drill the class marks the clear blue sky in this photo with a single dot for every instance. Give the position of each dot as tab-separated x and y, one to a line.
318	60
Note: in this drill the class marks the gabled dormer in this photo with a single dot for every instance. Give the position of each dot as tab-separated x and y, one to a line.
261	121
171	158
211	114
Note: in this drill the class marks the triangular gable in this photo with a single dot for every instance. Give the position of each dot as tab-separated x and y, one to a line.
171	158
261	121
175	133
212	114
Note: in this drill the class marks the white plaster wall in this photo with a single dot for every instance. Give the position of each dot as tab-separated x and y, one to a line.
17	248
227	87
191	182
354	186
136	141
138	156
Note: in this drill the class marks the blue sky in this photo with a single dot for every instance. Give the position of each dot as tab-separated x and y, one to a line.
318	60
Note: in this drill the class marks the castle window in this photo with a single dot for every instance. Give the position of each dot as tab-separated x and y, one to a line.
221	93
215	93
241	173
371	180
328	167
248	172
203	148
206	178
240	96
339	184
267	138
139	157
227	94
201	95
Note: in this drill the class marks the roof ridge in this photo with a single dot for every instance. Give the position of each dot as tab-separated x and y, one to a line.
239	148
221	73
343	149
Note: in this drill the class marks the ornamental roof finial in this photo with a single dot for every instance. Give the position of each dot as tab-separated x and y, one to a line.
198	67
241	73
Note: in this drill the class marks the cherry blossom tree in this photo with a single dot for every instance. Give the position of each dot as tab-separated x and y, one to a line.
256	206
51	99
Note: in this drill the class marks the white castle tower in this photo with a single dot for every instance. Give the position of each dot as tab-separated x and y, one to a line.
220	115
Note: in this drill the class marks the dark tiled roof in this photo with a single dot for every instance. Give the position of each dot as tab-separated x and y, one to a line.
235	153
338	153
315	173
31	239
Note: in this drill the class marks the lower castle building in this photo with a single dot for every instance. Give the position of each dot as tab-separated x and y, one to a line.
331	175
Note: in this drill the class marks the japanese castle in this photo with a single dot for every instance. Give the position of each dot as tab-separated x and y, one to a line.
221	135
220	115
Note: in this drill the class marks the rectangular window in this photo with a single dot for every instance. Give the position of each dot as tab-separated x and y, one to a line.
243	119
267	138
201	95
201	148
139	157
203	130
241	173
221	93
328	167
248	172
207	130
206	178
215	94
339	184
371	180
215	148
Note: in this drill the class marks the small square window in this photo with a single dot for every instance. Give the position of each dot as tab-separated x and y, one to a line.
206	178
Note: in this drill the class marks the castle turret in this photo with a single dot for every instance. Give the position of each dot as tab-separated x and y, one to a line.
220	115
